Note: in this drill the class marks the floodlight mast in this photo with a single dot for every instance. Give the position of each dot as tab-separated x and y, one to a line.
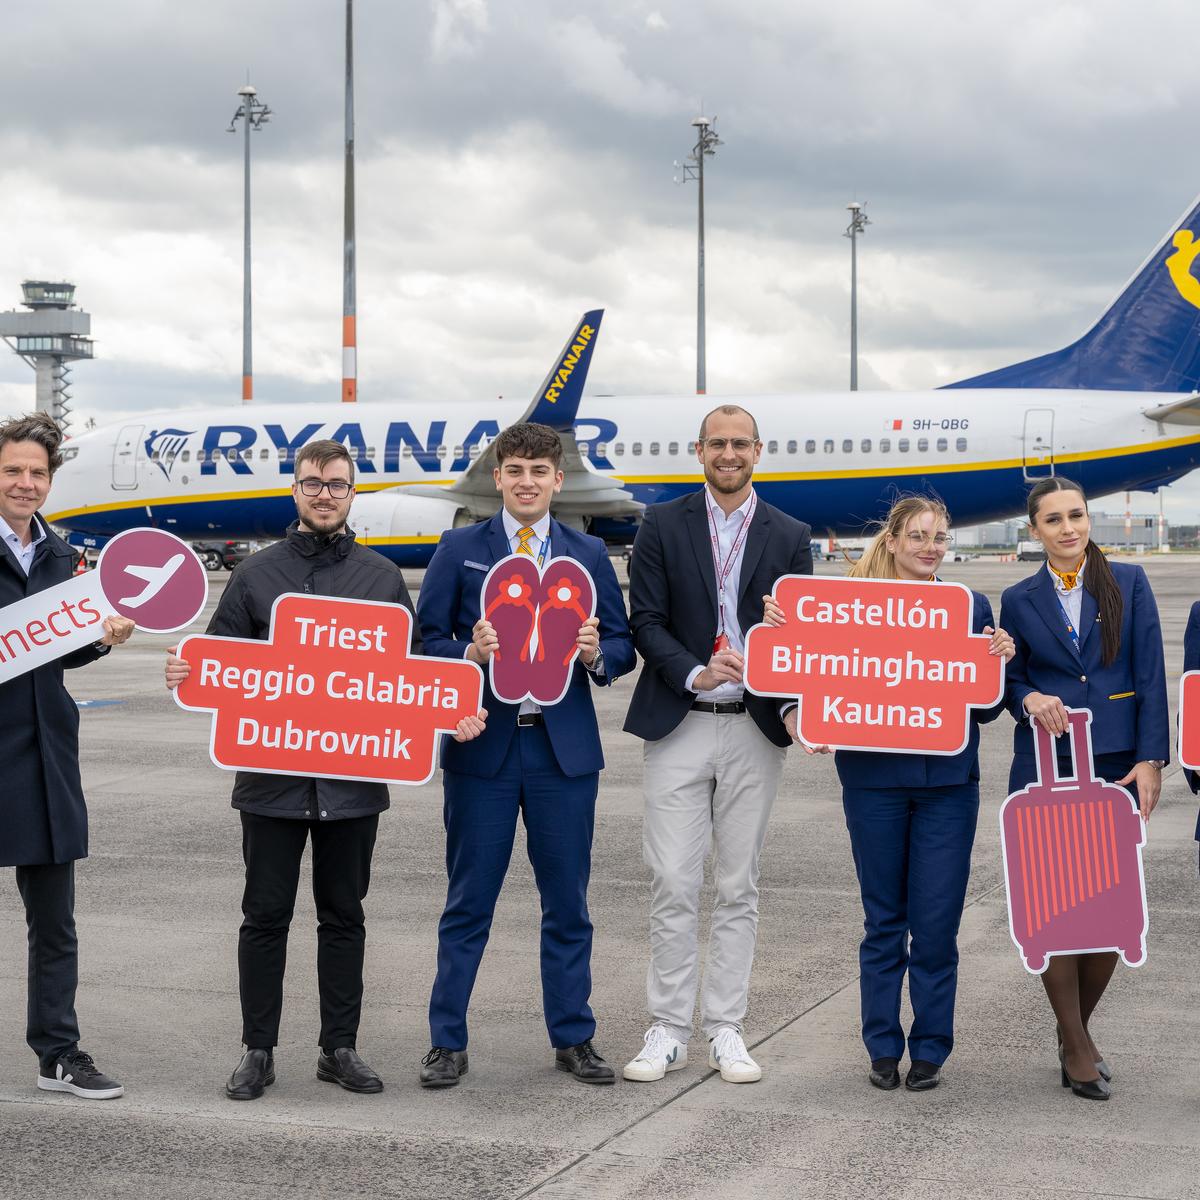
858	224
693	168
349	271
253	114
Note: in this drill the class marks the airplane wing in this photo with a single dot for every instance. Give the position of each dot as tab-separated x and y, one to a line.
1177	412
585	493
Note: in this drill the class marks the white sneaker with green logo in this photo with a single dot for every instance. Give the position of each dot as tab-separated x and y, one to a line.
727	1053
662	1053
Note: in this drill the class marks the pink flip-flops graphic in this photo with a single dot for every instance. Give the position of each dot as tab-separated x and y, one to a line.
536	615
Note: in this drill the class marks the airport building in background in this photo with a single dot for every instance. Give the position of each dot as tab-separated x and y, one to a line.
53	334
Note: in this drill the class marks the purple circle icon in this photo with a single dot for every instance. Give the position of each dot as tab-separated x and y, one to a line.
154	579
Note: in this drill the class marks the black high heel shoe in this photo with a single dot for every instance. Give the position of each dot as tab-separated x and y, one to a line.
1087	1089
1101	1066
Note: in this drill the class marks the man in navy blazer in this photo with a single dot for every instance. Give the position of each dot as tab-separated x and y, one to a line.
541	762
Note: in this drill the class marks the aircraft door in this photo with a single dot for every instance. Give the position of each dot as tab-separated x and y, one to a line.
1039	443
125	452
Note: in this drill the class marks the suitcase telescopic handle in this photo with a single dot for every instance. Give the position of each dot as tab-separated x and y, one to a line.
1077	730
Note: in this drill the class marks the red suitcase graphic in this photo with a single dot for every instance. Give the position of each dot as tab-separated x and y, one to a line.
1072	852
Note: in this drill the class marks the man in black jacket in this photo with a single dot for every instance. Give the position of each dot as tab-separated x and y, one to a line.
280	813
43	821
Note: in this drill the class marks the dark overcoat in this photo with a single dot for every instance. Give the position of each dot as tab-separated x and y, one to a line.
43	818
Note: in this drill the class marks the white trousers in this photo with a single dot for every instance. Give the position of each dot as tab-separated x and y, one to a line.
710	782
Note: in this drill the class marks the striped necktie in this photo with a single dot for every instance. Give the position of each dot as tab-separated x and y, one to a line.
526	535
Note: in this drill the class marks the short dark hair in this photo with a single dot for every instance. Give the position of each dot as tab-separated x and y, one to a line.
728	410
35	427
529	440
322	452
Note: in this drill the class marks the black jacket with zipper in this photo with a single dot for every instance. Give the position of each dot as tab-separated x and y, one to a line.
318	565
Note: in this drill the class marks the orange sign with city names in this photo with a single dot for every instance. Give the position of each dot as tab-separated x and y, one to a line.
1189	720
333	692
876	664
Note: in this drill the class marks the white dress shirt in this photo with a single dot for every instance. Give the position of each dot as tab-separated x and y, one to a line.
728	528
23	554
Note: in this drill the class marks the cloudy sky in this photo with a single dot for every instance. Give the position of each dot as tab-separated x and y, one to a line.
1019	160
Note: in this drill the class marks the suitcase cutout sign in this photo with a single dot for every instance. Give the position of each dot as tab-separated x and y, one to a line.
147	575
334	692
536	613
876	664
1072	851
1189	720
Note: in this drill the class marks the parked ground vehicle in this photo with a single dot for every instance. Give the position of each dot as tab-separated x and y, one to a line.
1030	552
215	555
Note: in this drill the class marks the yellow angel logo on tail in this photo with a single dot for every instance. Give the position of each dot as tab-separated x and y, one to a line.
1180	266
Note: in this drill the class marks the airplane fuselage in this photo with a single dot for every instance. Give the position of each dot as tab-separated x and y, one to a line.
831	460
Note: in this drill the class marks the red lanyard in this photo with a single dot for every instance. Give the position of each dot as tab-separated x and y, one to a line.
723	572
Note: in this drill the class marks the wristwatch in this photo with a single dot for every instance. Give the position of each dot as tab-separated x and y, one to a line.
1156	763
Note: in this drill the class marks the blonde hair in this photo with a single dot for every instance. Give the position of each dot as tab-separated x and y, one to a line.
878	562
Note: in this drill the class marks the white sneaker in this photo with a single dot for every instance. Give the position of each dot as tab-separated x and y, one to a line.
727	1053
660	1054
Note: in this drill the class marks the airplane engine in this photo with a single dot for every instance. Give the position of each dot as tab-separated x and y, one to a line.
392	514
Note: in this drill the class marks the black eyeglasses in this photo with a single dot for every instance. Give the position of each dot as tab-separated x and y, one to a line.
717	444
339	489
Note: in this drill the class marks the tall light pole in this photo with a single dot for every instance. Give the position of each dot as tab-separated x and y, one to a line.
253	114
349	281
858	224
693	168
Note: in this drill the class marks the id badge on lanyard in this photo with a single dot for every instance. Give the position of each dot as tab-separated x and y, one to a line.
723	570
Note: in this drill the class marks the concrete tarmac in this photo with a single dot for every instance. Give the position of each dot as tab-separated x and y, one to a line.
158	912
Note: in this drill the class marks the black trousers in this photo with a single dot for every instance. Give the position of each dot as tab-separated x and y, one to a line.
341	873
49	896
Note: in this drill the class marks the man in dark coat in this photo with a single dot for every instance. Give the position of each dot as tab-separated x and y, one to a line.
43	822
280	813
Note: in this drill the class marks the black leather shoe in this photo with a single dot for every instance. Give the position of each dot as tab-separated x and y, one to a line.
442	1067
252	1076
1086	1089
922	1076
1105	1071
343	1067
584	1063
885	1074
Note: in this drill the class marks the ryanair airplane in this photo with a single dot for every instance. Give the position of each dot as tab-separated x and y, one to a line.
1116	410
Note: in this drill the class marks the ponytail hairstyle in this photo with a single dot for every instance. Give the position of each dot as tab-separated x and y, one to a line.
1098	578
877	561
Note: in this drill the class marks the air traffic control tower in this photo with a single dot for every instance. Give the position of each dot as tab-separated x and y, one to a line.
53	334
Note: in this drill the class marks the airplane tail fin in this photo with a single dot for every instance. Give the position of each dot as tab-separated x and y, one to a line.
1147	340
556	402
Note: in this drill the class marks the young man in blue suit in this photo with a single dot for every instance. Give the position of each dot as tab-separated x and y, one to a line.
541	763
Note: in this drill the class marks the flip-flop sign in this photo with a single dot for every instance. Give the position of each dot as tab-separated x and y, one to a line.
537	614
147	575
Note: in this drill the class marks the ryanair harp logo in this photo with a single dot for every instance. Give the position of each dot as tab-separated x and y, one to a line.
569	363
163	447
1180	266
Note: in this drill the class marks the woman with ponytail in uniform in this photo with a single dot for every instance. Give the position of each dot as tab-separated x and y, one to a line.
912	821
1087	636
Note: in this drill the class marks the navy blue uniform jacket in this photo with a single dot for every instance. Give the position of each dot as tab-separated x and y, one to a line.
43	818
860	769
448	608
1128	699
